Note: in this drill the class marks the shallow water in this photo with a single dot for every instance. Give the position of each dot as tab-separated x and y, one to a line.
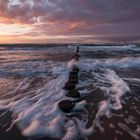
32	81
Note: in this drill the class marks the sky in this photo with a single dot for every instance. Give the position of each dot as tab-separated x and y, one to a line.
69	21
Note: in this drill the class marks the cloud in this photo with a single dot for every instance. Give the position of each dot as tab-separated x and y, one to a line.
109	20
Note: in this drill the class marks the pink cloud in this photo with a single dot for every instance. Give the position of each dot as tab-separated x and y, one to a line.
76	17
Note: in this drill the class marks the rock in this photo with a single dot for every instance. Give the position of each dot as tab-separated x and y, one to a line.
74	73
73	76
69	86
73	80
73	93
76	56
77	49
75	68
66	105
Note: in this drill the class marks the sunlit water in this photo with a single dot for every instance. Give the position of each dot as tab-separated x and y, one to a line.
32	81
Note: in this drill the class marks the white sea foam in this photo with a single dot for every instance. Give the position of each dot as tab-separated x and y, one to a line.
106	48
38	115
107	80
118	89
118	63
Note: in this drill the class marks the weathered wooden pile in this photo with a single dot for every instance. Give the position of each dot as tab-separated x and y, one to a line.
67	105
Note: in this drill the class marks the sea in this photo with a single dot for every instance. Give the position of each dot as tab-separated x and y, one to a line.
32	81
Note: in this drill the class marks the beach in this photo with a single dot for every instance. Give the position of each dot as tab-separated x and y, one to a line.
32	84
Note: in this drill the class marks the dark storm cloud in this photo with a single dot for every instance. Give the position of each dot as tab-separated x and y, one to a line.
110	20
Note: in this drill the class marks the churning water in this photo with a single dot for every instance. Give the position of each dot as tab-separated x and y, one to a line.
32	83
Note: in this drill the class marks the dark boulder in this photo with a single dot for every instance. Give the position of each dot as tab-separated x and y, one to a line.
74	73
69	86
73	76
77	49
76	56
75	68
73	93
73	80
66	105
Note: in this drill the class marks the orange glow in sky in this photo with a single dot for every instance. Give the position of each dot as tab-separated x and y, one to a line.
13	29
72	21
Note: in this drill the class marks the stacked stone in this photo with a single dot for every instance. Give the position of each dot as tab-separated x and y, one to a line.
67	105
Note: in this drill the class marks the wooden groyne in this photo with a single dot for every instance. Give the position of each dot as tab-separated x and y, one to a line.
71	91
